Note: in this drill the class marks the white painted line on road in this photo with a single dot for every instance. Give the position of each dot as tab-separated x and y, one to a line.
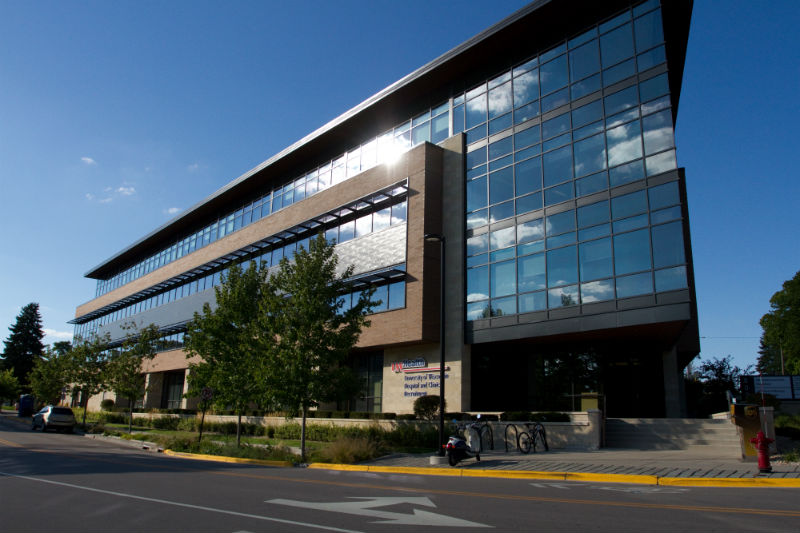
179	504
363	506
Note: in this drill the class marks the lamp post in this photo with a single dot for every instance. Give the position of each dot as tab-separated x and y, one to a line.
433	237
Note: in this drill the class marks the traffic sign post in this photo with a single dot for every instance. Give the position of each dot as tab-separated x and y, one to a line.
206	395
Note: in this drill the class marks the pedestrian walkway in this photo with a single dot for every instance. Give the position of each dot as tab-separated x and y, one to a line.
658	463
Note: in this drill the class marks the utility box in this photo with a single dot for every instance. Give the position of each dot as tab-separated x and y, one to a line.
25	405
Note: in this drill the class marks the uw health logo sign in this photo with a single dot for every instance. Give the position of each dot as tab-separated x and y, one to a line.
413	365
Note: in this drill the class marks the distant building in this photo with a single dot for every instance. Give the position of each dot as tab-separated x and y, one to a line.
543	151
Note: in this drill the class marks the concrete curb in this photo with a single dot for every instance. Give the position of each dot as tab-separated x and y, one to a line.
224	459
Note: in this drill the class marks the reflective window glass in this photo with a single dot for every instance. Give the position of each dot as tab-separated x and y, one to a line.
560	223
440	130
649	30
562	297
584	61
597	291
399	212
458	119
632	252
533	230
664	215
635	285
503	278
591	184
500	100
664	195
478	283
382	294
557	166
381	219
555	126
476	111
592	214
477	244
630	223
626	173
526	137
363	225
500	148
553	52
397	295
562	266
531	272
620	101
535	301
624	143
528	176
616	45
477	219
654	87
526	88
476	157
658	132
619	72
629	204
661	163
476	194
554	100
346	231
501	185
502	238
590	155
651	58
554	74
586	86
588	113
476	134
668	245
501	211
529	203
558	194
499	124
526	112
671	279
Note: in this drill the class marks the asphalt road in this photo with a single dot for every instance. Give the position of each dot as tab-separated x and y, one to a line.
66	483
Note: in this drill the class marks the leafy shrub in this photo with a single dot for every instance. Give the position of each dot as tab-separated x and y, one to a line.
359	414
321	414
107	404
166	422
188	424
340	414
349	450
427	407
527	416
407	416
516	416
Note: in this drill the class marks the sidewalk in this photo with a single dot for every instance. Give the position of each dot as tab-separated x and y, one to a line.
700	467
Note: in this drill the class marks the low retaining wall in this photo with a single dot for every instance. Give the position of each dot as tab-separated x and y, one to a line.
582	432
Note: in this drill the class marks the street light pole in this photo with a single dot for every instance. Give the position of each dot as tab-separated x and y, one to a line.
432	237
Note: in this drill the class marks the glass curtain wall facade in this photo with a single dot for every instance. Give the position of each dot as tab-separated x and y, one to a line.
549	131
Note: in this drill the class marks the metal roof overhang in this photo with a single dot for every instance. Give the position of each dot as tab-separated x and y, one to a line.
543	22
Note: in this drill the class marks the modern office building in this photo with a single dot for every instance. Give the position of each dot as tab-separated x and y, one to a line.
542	151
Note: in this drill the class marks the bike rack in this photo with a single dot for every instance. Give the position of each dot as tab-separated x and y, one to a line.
516	435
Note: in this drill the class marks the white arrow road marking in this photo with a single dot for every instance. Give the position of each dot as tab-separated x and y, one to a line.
364	507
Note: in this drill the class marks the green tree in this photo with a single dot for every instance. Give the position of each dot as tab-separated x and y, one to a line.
24	345
716	378
49	377
781	327
308	333
226	338
86	367
124	369
9	386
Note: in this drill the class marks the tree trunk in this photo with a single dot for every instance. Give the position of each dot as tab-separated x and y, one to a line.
85	407
239	429
303	437
131	402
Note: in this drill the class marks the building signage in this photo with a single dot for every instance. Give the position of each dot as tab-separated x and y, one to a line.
414	365
779	386
421	384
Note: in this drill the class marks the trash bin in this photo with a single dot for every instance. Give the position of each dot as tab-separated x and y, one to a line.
25	405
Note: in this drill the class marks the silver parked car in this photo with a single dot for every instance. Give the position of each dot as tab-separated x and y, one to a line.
59	418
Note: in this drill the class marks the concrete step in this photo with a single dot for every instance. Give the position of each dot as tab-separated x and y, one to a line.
719	436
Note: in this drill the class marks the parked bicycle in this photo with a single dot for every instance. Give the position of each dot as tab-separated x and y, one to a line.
535	435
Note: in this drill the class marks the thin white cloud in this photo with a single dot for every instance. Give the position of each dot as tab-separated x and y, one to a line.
88	161
126	190
89	196
106	200
193	167
172	211
60	335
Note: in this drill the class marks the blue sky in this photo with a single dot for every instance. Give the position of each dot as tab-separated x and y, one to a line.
114	116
